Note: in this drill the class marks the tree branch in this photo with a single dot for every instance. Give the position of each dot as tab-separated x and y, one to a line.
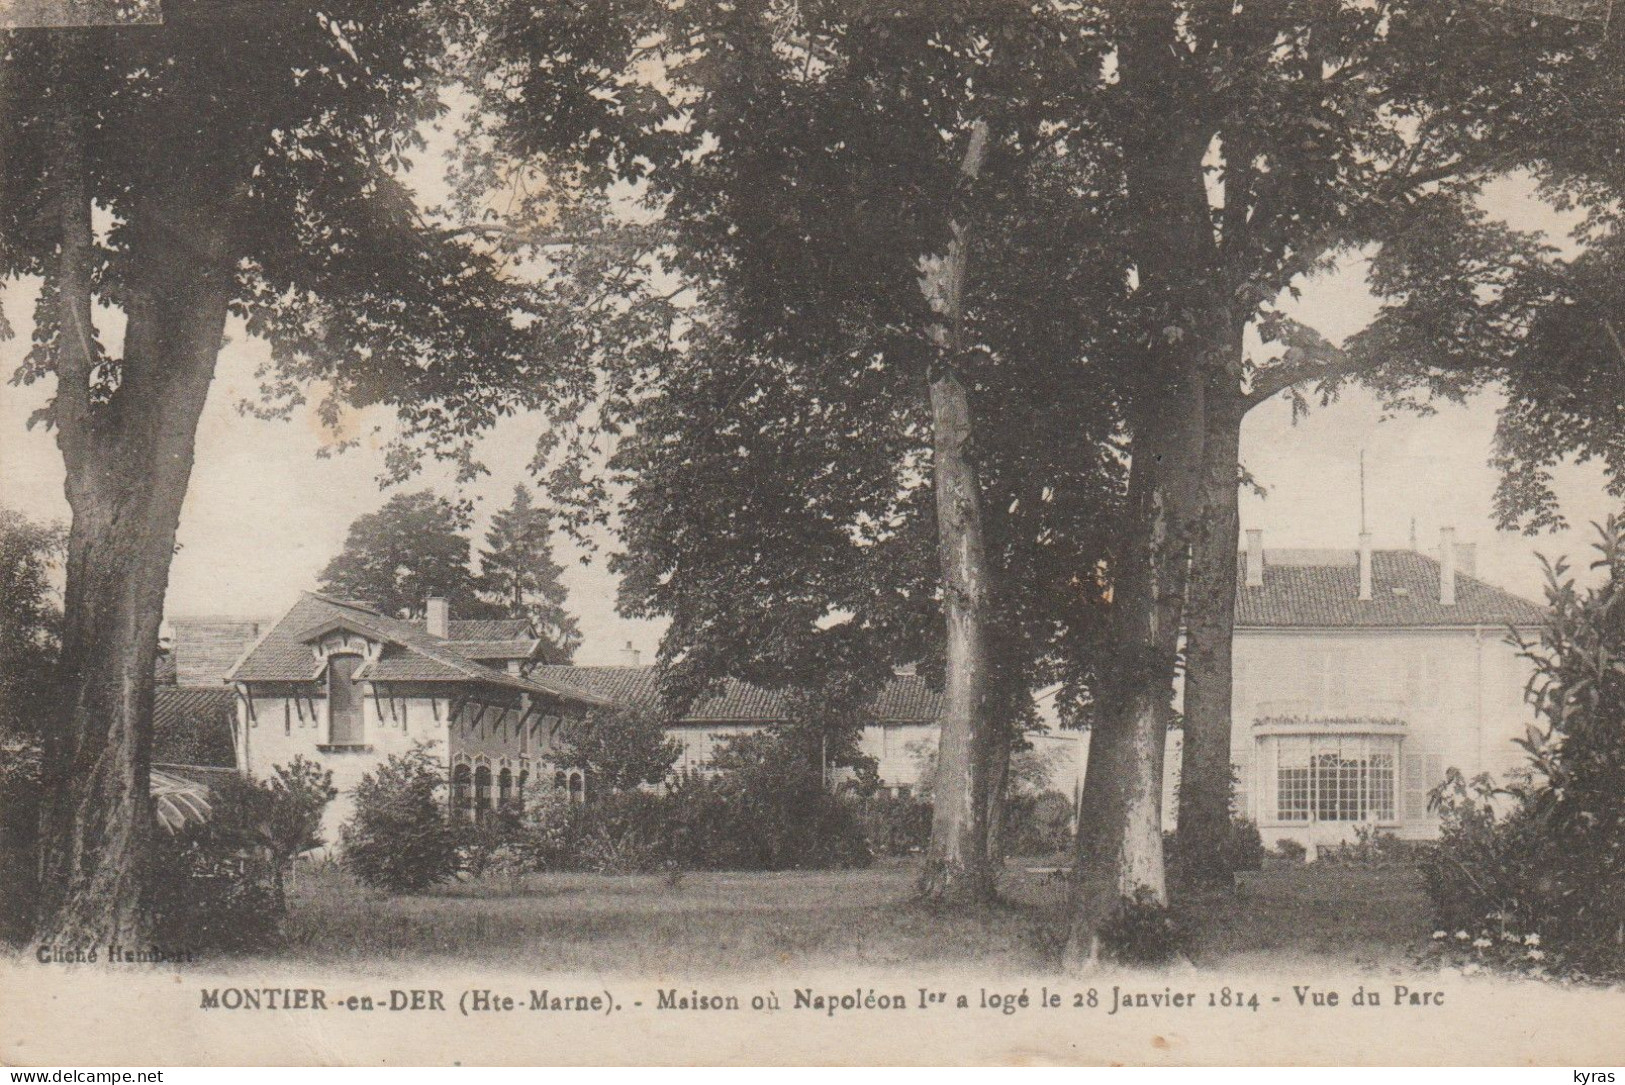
1309	356
76	335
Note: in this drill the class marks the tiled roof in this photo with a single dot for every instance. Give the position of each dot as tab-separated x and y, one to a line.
1404	594
204	649
906	698
192	725
483	628
411	654
504	648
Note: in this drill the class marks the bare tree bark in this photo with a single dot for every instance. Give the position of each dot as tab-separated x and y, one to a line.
127	434
1119	846
1204	782
957	870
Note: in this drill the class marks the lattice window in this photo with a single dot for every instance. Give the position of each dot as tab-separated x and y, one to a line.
1334	778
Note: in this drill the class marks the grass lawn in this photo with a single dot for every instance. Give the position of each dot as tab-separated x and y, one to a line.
726	921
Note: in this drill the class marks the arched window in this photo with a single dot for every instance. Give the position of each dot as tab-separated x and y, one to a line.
578	787
345	719
482	791
462	798
560	782
524	781
504	787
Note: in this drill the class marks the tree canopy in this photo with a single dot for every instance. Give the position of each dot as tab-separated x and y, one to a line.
518	573
415	547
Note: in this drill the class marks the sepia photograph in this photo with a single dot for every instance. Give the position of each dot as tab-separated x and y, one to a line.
812	532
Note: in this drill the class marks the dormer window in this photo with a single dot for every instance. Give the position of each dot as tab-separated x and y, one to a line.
346	720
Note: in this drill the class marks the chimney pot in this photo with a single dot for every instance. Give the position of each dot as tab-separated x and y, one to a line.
1255	558
437	615
1447	566
631	655
1365	566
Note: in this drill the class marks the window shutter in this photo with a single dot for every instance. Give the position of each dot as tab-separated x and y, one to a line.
1416	797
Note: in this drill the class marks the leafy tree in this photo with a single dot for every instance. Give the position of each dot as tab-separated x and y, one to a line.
1544	853
400	838
396	558
518	573
295	799
780	815
30	621
250	167
1254	146
807	426
30	626
617	751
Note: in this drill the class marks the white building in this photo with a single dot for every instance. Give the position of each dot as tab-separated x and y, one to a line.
1360	677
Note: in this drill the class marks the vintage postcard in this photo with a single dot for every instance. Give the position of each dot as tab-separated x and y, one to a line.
802	532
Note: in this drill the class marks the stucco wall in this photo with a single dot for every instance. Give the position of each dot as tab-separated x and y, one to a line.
283	727
700	742
1458	695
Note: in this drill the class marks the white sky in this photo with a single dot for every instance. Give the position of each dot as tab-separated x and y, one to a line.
265	512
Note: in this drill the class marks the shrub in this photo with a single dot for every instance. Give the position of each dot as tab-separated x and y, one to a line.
19	835
492	840
1377	849
895	824
290	806
400	838
1038	823
779	814
1544	855
766	809
1142	931
1240	848
1243	847
1291	851
617	750
212	889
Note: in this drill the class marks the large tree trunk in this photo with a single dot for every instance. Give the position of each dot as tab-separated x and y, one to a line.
128	455
1210	619
1009	686
956	864
957	870
1119	846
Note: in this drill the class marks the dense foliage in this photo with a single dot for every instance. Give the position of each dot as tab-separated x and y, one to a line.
518	574
1539	861
765	807
618	750
19	835
396	558
30	620
400	838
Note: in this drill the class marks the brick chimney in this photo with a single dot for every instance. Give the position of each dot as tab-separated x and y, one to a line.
631	655
1365	566
438	617
1447	566
1255	558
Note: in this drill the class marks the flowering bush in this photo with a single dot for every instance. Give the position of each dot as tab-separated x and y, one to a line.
1494	948
1545	853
